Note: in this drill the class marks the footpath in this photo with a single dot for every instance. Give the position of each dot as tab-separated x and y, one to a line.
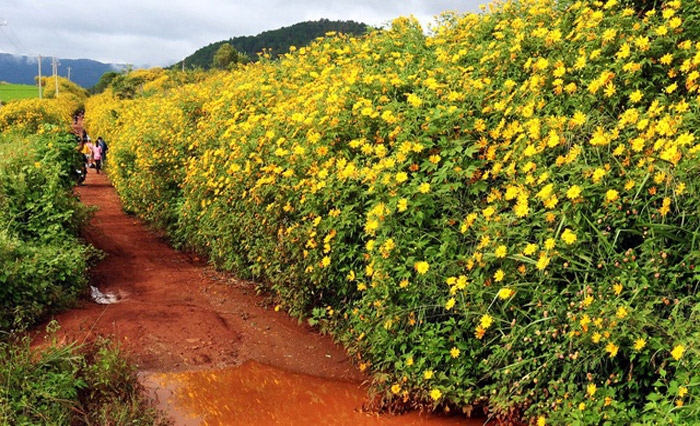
175	313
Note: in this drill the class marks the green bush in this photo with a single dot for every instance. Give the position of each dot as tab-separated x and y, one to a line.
43	265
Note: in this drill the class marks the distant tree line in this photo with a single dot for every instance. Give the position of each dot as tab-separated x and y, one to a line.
274	42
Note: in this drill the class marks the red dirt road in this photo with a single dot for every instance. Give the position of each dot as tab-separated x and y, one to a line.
177	314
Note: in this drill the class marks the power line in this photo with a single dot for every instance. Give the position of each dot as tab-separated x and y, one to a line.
12	37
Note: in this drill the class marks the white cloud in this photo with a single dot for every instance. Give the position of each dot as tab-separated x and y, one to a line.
156	33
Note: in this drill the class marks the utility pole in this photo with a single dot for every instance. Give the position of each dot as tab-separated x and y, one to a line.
54	65
2	23
40	95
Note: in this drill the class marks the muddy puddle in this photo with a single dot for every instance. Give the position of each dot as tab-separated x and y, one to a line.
256	394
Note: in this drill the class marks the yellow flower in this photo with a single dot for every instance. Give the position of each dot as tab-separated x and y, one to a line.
682	391
325	262
401	177
403	284
422	267
371	226
551	202
545	192
435	394
454	352
579	118
636	96
677	352
591	389
414	100
617	288
521	209
428	374
573	192
424	188
598	174
612	349
486	321
402	205
530	249
568	236
541	421
621	312
542	262
395	389
499	275
611	195
450	303
550	243
639	344
610	90
501	251
505	293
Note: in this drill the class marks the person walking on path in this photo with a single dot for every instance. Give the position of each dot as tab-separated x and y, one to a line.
97	156
87	151
102	144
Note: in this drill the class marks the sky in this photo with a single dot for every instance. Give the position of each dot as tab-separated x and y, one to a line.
149	33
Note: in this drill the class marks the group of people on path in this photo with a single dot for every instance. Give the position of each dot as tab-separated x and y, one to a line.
95	152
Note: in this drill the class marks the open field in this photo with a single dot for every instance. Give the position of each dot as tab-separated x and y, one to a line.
9	91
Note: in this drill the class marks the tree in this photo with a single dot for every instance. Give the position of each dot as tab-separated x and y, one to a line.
225	56
104	82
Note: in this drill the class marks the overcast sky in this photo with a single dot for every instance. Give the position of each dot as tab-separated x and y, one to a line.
147	33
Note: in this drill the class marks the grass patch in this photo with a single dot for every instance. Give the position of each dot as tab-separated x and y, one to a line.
9	91
91	384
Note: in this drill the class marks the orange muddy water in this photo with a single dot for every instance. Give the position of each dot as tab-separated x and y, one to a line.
256	394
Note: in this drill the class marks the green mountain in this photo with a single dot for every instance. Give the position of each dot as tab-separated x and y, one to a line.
276	41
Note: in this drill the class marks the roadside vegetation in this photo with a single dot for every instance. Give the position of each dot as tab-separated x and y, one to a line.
43	270
499	217
70	384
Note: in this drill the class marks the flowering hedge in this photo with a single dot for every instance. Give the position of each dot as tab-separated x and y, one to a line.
500	216
49	115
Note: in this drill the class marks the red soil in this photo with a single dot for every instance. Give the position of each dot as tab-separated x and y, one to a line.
176	314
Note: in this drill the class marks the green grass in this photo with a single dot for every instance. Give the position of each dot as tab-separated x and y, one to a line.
71	385
10	91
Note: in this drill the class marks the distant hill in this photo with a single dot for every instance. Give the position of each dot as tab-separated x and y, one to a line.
278	41
23	69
